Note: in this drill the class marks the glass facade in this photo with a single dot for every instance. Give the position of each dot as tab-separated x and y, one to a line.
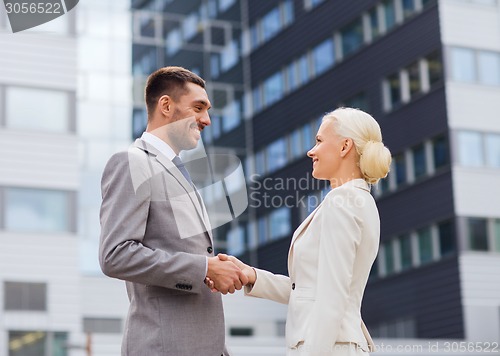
419	161
280	223
323	56
478	234
425	245
38	343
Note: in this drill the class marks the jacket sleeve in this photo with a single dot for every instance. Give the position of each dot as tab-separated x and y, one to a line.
340	237
124	215
270	286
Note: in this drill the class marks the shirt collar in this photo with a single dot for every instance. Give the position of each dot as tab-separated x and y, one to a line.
159	144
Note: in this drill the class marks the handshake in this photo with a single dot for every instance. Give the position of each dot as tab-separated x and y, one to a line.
226	274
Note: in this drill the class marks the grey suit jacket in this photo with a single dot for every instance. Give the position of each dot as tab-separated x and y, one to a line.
155	235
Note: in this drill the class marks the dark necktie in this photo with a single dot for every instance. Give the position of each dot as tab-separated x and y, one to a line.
180	165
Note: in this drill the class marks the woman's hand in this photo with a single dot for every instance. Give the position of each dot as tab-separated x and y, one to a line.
246	269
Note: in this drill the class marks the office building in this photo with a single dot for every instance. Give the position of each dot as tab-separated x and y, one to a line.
47	194
427	70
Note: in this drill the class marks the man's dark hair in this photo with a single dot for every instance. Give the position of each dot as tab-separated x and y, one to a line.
169	81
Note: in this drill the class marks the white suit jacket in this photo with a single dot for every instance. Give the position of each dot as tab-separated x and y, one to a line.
329	261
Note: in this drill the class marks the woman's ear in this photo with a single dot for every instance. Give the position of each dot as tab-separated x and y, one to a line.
347	144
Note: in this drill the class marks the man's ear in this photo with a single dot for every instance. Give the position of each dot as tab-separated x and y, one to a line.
165	104
347	144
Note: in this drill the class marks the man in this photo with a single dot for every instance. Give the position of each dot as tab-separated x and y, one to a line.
155	230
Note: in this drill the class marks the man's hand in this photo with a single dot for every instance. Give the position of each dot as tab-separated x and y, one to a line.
225	276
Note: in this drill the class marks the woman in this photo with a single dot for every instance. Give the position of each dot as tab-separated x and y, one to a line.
332	251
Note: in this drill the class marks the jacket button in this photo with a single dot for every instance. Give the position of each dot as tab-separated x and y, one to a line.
293	286
210	249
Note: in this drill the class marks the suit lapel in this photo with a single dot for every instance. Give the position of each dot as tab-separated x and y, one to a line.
174	171
298	233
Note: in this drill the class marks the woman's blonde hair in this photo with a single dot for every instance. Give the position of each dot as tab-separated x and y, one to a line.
374	158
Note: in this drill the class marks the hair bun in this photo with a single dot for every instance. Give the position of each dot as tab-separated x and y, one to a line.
374	161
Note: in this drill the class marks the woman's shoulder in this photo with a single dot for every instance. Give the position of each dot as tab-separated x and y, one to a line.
353	194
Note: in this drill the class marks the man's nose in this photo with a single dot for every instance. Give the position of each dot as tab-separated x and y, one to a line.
205	119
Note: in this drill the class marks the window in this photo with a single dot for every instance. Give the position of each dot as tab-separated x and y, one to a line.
215	65
257	99
292	79
419	161
425	245
147	23
414	78
309	4
216	126
463	65
252	234
230	55
489	68
359	101
394	90
271	24
383	185
37	210
374	23
352	37
405	251
497	235
446	238
408	8
38	343
260	163
400	165
241	331
254	36
276	155
25	296
296	149
303	66
389	14
273	89
288	13
262	229
236	241
435	65
231	116
102	325
440	152
470	149
190	26
308	137
492	142
280	223
389	258
225	4
139	122
47	110
478	234
323	56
